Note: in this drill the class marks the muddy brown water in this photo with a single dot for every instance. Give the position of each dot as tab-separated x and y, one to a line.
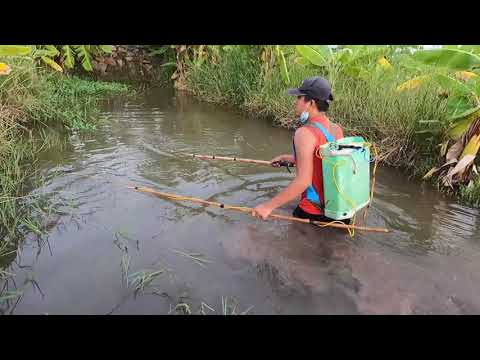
429	263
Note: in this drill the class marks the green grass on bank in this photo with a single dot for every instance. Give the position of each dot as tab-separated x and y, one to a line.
32	98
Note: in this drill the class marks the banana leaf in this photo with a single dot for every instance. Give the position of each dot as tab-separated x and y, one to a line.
51	63
14	50
52	51
453	59
472	146
106	48
459	107
84	54
283	66
319	55
69	56
356	72
302	61
469	48
455	86
460	127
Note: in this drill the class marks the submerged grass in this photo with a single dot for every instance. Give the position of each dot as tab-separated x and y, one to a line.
142	279
196	257
10	295
125	267
228	307
6	294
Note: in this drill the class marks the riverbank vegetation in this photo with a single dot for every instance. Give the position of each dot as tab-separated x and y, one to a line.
40	86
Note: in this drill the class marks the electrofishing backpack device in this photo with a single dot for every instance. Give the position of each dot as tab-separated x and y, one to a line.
346	176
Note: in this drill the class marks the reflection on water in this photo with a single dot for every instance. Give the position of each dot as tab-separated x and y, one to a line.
428	264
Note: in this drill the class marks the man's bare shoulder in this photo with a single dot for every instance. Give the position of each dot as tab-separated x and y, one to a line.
337	130
304	135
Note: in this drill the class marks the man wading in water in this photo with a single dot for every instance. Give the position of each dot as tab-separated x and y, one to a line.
313	98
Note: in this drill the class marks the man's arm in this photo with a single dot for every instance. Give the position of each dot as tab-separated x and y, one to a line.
305	148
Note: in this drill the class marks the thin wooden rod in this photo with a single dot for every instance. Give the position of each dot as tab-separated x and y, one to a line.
249	210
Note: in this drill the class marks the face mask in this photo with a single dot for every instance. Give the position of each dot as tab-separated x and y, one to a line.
304	117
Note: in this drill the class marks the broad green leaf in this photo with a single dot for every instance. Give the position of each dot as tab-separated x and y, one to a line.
51	63
40	52
460	127
343	55
84	55
319	55
467	111
472	48
367	52
458	107
52	51
69	56
283	66
456	87
302	61
356	72
450	58
469	48
106	48
14	50
410	64
472	146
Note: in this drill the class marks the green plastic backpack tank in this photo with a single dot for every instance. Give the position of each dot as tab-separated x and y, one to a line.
346	176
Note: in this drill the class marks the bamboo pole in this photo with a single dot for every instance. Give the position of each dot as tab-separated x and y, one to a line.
227	158
249	210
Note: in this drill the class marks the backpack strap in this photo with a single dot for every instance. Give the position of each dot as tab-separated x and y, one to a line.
324	131
327	135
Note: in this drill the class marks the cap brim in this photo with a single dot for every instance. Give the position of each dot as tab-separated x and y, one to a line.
295	92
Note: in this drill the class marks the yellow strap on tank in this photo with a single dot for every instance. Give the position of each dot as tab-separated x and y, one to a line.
373	184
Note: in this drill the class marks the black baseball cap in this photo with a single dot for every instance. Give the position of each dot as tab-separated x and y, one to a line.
315	87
